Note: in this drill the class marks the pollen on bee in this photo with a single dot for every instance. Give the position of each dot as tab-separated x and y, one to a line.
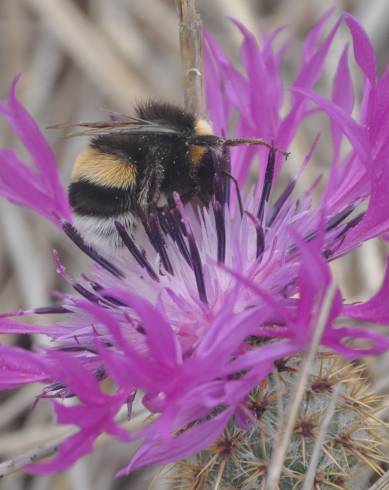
103	169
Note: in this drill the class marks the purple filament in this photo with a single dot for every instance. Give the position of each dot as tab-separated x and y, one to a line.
194	252
158	242
218	210
281	201
76	238
197	268
136	253
175	231
260	234
339	217
226	158
48	310
93	298
267	183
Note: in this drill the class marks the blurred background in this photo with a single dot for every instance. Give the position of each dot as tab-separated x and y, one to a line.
81	59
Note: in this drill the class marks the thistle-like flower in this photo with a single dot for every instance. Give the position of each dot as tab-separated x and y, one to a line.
193	316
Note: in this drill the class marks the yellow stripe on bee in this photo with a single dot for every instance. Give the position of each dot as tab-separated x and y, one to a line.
202	128
103	169
196	153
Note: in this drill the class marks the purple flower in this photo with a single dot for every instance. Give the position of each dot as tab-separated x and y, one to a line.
196	310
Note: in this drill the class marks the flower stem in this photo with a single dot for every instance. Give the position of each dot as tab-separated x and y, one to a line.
49	448
287	428
36	454
190	31
382	483
317	450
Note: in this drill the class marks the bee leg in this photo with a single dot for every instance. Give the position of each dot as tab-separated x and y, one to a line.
226	169
223	167
254	141
150	186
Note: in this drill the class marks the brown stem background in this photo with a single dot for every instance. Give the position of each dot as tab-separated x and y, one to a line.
191	47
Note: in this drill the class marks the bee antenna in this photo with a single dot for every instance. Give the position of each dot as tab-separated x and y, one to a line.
227	174
254	141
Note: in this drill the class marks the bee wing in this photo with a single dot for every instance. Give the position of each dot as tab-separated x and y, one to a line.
131	125
123	130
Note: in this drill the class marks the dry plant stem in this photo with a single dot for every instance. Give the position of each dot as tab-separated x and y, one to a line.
382	483
164	15
311	473
30	457
90	49
219	476
191	56
16	404
284	433
51	447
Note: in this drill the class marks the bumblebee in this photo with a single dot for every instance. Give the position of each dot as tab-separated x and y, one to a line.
134	164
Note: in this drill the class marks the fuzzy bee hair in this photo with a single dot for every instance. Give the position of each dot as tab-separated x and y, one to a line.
134	164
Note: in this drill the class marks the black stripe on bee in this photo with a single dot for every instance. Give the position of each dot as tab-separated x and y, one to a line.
89	199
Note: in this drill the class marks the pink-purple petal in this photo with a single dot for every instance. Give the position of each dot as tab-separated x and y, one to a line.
41	190
376	309
352	130
19	367
159	334
363	50
314	35
156	452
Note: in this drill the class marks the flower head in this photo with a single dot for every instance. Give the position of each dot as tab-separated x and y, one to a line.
202	302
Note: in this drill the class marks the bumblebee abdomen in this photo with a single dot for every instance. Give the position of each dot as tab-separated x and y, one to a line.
87	199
